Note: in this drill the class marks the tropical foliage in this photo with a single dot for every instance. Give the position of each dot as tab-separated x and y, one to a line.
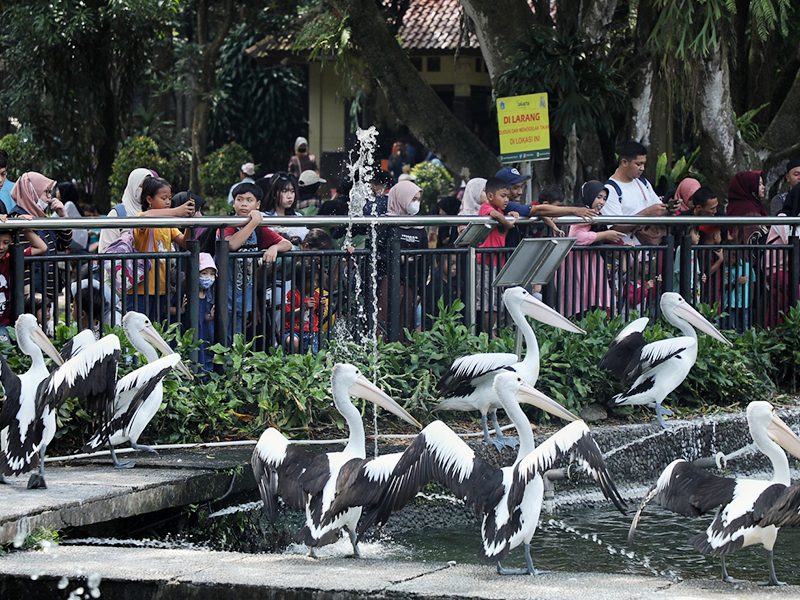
222	168
434	180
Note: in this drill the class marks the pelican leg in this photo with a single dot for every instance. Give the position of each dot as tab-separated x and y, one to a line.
3	480
773	580
354	541
727	578
311	552
501	440
127	464
531	570
136	446
36	482
485	425
662	412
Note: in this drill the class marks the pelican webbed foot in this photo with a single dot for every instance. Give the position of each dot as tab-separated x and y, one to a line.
500	440
531	570
125	464
3	480
36	482
727	578
773	580
136	446
662	412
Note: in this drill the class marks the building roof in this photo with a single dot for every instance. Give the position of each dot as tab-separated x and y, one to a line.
428	25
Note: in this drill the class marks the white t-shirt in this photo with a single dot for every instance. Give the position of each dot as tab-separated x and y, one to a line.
636	196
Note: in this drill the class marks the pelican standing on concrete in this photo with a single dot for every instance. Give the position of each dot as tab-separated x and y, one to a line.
18	416
315	481
467	385
751	511
137	396
510	499
657	368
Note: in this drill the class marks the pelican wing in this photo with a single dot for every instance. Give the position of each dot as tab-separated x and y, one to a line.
12	386
458	381
656	354
784	511
624	348
77	344
573	441
130	394
686	490
437	453
278	465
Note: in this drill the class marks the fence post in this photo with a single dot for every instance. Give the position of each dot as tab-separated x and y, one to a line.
794	271
394	305
191	287
18	278
221	256
686	282
667	278
472	286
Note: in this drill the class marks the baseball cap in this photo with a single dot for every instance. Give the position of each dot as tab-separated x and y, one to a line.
249	169
511	175
310	178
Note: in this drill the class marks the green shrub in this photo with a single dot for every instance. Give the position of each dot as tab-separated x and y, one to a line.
136	153
434	180
221	170
22	155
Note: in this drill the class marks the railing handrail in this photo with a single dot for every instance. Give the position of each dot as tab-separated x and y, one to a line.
328	221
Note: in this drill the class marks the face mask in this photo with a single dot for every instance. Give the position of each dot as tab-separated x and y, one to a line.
207	282
137	196
42	204
413	208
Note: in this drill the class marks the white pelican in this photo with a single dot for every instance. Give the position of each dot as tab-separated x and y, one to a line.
467	385
314	481
137	396
18	416
510	499
659	367
751	510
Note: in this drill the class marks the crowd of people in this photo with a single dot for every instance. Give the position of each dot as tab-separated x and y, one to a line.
298	302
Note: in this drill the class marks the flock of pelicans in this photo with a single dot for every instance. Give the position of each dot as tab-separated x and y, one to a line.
347	490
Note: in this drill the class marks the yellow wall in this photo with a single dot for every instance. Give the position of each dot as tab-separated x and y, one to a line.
325	110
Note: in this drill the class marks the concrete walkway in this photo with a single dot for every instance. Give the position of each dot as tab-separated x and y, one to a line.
200	575
87	491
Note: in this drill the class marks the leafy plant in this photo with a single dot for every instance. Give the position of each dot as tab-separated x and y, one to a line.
22	155
434	180
669	177
221	170
750	130
136	153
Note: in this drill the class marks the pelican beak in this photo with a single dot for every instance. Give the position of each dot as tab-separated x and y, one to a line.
782	434
363	388
686	312
151	335
527	394
41	340
536	309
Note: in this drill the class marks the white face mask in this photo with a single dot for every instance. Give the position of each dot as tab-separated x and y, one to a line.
137	195
413	208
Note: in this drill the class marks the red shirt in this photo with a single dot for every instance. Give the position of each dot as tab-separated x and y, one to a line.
496	239
311	315
5	284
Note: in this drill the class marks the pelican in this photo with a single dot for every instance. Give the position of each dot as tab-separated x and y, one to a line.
510	499
467	385
751	510
137	396
314	481
657	368
18	415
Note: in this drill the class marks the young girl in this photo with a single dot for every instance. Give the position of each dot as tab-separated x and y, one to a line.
151	295
280	200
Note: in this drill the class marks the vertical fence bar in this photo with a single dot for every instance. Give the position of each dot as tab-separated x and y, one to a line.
192	285
223	283
794	270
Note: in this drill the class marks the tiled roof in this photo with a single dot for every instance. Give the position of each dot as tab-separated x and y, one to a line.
427	25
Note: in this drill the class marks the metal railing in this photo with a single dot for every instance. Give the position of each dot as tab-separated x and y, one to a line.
356	296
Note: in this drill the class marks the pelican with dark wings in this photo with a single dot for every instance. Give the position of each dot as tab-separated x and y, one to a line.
315	482
657	368
467	384
510	499
750	511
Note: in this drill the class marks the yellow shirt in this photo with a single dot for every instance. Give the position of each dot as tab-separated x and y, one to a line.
162	242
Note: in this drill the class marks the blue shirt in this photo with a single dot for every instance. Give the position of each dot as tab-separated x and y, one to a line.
5	196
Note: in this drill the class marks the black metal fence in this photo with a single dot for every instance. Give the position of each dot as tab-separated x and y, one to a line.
307	297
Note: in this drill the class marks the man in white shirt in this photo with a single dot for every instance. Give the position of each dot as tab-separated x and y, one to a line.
629	193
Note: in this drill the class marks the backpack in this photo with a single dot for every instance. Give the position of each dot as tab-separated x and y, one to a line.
135	270
648	235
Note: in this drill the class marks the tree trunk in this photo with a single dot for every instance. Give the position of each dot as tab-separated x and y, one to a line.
411	99
498	25
595	17
205	84
724	152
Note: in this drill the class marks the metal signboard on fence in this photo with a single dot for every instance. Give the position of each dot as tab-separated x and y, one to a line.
524	126
534	261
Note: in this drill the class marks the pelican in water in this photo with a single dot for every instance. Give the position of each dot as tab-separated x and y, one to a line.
509	499
137	396
18	422
323	484
657	368
467	385
750	510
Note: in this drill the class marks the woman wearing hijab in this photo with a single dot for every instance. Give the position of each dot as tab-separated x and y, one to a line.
130	206
583	284
744	200
472	199
404	201
35	195
302	160
684	193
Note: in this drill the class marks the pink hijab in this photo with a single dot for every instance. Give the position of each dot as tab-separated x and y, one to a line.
29	189
400	196
686	190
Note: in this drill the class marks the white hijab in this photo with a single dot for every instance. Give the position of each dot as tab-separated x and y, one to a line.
132	196
471	201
